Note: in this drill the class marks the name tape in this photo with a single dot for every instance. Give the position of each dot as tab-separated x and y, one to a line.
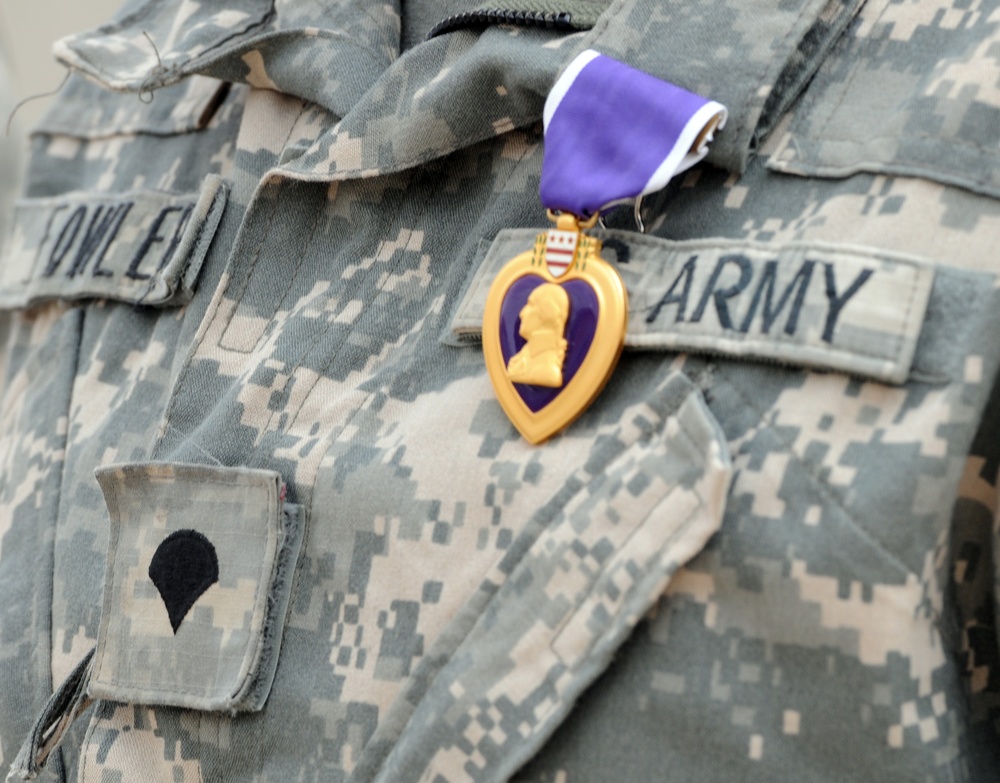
856	310
143	247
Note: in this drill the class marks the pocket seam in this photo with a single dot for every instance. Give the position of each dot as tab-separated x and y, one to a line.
825	489
681	530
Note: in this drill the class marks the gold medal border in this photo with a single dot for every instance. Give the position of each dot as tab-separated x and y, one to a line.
597	366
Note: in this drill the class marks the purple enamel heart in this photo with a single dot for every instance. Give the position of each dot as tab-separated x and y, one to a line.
579	333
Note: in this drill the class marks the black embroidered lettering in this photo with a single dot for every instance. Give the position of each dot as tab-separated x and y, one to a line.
723	294
65	241
687	272
48	229
93	239
837	302
152	237
121	212
772	311
176	239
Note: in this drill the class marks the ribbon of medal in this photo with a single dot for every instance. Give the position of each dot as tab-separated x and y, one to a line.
556	315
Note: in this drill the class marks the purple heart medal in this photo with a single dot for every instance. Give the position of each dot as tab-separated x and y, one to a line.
556	316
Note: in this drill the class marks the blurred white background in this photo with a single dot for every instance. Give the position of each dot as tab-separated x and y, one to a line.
27	30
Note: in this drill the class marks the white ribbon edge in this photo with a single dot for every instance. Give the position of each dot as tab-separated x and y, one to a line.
564	82
684	155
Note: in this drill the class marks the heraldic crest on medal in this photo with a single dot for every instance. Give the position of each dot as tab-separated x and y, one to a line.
556	316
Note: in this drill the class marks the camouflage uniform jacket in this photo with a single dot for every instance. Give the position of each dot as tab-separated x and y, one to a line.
243	286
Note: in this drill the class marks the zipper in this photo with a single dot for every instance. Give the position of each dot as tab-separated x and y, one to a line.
484	17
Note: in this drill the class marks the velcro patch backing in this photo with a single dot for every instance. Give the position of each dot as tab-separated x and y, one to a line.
837	307
201	561
143	247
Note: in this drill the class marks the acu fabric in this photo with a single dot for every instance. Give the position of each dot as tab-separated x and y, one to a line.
244	283
9	143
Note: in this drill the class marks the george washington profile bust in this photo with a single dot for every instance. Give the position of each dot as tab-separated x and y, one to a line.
543	322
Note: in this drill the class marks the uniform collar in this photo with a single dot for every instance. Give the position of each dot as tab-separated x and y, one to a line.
393	110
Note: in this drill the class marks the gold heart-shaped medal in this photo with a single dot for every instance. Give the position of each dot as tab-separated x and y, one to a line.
553	329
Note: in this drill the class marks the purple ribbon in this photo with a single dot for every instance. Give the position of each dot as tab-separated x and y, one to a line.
613	133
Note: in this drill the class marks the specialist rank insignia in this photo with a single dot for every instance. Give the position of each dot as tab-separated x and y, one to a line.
556	315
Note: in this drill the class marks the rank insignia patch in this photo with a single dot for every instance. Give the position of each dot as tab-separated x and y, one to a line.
553	330
183	567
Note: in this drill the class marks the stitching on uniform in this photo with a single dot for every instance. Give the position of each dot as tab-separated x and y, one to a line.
990	151
898	167
253	664
193	443
291	279
302	257
211	313
900	337
752	94
219	50
170	70
855	70
597	589
387	40
201	725
404	165
238	298
50	642
825	489
785	347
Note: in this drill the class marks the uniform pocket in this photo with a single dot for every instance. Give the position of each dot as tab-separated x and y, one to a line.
753	57
124	53
911	91
122	197
567	594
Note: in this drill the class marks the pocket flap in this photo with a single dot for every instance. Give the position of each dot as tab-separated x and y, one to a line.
86	111
161	41
911	91
575	589
199	575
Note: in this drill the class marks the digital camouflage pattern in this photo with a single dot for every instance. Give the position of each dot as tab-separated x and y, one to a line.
468	607
9	143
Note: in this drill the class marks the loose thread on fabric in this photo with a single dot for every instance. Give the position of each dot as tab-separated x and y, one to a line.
189	441
23	101
145	91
